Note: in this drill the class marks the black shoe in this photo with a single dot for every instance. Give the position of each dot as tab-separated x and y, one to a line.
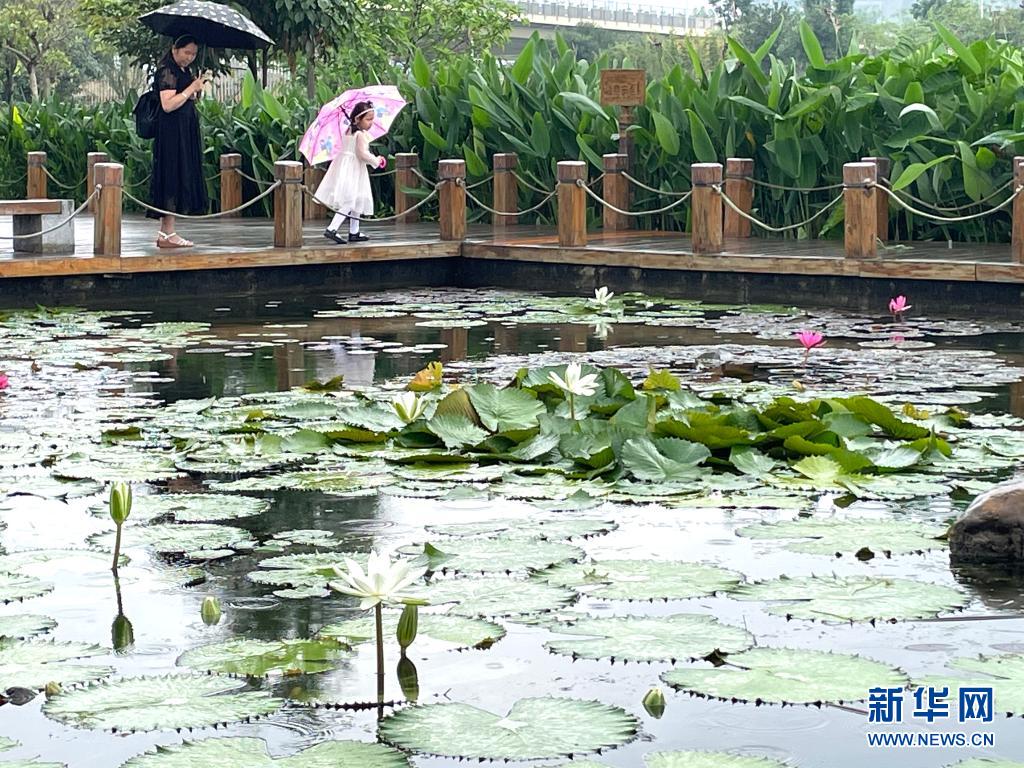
357	238
330	234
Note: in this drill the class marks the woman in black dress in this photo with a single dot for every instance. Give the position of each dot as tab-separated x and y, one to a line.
178	183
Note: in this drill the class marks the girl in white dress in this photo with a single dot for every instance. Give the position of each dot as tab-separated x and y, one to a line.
345	188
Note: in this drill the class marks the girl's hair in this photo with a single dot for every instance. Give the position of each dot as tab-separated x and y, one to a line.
182	41
358	110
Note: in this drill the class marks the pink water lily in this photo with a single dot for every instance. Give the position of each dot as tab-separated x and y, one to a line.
809	340
3	381
898	306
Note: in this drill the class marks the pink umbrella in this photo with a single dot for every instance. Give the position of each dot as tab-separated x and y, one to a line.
322	140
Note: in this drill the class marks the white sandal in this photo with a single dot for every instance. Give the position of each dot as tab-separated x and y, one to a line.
165	241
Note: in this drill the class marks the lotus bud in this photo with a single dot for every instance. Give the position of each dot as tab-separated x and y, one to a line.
122	635
120	502
408	678
52	688
210	611
654	703
408	625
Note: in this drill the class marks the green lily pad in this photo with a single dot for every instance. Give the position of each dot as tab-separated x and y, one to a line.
458	631
479	555
553	530
312	570
497	597
174	539
261	658
642	579
334	483
14	586
648	638
305	537
192	507
116	464
32	664
984	762
1004	674
850	535
783	675
852	598
6	743
533	729
502	410
153	703
25	625
252	753
685	758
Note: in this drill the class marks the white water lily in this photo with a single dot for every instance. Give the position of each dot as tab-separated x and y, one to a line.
602	328
575	382
409	406
383	582
602	298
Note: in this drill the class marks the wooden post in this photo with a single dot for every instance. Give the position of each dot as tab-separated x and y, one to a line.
288	204
739	189
36	186
506	188
881	199
572	204
861	211
406	178
615	189
452	176
90	174
311	209
106	239
707	207
230	183
1017	243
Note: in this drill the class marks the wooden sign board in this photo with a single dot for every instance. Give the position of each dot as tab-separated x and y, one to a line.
623	87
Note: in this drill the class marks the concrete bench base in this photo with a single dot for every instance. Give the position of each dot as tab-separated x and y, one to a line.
61	241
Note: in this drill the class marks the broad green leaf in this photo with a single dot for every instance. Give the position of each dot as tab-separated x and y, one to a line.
497	596
1003	674
666	132
455	632
848	536
812	48
25	625
911	173
642	459
703	148
751	461
261	658
504	409
958	48
18	587
456	431
692	759
32	664
246	752
420	70
523	65
928	112
477	555
641	579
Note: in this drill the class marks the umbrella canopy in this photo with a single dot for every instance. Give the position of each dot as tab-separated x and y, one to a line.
212	24
322	140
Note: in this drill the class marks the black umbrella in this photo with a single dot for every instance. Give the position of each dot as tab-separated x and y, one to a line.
211	24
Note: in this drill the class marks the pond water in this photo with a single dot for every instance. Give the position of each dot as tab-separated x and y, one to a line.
82	380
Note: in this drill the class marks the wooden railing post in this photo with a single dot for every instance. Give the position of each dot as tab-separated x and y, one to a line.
861	227
230	183
707	207
288	204
35	188
881	199
452	176
506	189
311	209
406	178
106	239
90	174
1017	243
615	190
572	204
740	189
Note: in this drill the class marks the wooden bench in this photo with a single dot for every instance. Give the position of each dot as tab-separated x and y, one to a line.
28	218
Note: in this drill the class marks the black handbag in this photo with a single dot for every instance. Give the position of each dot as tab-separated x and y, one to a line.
147	111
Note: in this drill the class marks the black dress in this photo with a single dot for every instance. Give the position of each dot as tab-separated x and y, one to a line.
178	182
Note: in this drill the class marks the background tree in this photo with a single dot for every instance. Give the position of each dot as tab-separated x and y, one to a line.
41	37
114	24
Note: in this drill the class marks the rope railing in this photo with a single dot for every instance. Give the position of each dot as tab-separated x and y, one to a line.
582	185
371	220
480	203
253	179
62	223
946	209
768	227
785	188
197	217
60	183
665	193
947	219
529	184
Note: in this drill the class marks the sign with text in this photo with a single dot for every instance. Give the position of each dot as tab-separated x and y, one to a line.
623	87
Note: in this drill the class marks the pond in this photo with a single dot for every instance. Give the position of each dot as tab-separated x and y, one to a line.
576	561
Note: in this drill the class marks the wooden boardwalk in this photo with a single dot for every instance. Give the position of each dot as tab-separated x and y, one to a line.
248	244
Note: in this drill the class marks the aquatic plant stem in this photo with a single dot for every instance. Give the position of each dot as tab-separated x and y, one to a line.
572	407
379	618
117	550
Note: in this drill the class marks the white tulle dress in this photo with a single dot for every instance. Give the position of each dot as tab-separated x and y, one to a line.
346	185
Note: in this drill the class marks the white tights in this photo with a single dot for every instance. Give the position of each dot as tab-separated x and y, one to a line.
339	219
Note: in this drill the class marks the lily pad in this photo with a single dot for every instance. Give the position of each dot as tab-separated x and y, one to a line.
179	539
261	658
14	586
458	631
307	570
893	537
6	743
497	597
533	729
554	530
153	703
25	625
852	598
193	507
685	758
642	579
1004	674
32	664
479	555
252	753
648	638
783	675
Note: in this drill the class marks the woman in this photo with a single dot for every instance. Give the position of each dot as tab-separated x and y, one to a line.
178	185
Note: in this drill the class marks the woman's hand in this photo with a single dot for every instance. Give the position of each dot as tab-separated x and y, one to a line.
197	85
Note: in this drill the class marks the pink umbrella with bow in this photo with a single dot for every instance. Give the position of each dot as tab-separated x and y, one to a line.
322	140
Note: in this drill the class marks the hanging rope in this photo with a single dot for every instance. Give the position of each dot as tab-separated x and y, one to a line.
743	214
217	215
55	227
947	219
410	209
529	184
947	209
665	193
606	204
61	184
253	179
423	178
491	210
140	182
784	188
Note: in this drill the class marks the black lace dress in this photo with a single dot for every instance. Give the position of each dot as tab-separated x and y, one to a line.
178	183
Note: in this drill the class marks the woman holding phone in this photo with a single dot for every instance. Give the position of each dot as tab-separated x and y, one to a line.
178	184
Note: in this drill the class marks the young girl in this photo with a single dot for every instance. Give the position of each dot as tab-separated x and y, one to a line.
345	188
